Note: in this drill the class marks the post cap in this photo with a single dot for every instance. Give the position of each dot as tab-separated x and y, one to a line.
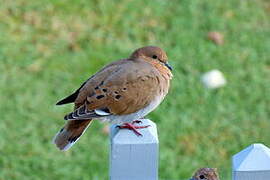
255	157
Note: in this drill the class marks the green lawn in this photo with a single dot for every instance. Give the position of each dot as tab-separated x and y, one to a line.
48	48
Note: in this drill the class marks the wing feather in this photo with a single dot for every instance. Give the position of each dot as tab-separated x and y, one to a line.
83	114
71	98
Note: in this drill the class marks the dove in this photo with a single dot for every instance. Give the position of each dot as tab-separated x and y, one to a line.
121	93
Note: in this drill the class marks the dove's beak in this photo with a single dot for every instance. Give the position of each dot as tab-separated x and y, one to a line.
168	66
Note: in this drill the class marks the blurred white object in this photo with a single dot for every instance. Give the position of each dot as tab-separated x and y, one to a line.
213	79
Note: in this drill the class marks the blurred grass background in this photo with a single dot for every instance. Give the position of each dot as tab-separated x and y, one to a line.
48	48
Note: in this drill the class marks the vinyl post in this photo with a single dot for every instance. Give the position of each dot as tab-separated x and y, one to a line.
134	157
252	163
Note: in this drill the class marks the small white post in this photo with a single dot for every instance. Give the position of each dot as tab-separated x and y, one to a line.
252	163
134	157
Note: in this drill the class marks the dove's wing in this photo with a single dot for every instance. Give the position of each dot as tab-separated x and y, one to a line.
120	88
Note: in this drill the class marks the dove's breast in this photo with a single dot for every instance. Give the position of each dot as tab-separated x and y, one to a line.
117	119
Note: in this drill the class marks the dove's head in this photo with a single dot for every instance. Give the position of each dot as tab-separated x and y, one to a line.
206	174
153	54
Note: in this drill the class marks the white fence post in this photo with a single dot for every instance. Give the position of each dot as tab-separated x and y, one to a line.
134	157
252	163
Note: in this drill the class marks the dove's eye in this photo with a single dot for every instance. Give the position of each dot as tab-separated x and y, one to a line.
201	176
154	57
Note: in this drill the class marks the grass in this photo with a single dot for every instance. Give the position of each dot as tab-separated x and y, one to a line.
48	48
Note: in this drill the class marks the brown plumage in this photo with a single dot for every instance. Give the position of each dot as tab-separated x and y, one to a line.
120	92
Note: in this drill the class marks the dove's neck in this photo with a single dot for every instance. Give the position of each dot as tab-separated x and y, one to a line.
164	71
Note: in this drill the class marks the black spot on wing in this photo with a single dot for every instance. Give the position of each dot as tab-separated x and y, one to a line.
100	96
118	96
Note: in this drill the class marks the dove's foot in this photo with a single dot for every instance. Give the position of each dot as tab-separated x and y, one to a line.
131	126
136	122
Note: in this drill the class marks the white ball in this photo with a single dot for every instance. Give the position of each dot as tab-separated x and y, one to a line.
213	79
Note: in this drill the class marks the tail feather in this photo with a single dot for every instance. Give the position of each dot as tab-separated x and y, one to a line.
70	133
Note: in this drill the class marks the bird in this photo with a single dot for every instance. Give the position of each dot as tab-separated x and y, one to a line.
121	93
206	174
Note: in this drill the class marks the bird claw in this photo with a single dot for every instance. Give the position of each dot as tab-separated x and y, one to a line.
137	122
130	126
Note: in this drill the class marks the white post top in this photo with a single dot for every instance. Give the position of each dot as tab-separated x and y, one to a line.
134	157
255	157
126	136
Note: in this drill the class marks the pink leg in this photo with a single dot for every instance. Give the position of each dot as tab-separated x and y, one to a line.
132	127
